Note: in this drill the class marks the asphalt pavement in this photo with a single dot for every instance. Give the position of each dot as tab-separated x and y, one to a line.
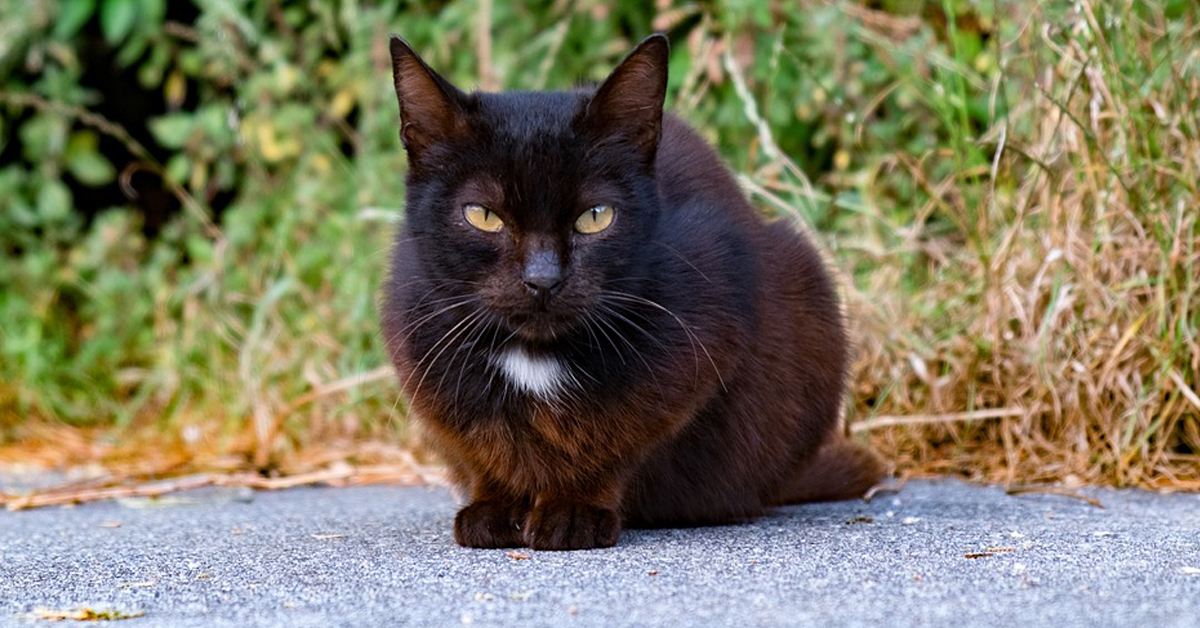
939	553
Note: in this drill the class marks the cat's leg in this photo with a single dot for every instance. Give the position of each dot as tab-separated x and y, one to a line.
491	520
570	520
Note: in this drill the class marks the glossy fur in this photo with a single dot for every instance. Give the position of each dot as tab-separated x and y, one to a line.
686	366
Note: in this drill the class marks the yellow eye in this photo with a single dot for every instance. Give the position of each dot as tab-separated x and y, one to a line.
482	218
595	220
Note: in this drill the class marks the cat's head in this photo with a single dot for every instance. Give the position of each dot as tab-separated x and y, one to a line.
533	202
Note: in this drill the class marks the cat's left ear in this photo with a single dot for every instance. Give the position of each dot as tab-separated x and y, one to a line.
629	104
431	109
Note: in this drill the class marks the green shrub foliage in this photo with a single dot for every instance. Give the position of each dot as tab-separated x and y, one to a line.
197	197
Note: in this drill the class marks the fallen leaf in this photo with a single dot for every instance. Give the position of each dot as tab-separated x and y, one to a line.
979	555
82	614
652	572
1001	550
515	555
860	520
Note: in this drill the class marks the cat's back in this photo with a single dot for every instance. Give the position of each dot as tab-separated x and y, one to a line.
695	186
767	270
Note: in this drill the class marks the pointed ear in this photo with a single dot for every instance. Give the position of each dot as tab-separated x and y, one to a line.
431	109
629	104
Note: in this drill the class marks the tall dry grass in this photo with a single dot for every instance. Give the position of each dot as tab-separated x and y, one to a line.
1052	334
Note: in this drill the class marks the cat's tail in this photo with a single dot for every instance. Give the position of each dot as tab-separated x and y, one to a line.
841	469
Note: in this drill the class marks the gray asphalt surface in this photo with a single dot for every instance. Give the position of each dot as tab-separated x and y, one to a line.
384	556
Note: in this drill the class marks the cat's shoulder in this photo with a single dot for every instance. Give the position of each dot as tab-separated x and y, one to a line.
691	174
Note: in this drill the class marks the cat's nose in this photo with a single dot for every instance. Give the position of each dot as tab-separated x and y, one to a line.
542	286
542	274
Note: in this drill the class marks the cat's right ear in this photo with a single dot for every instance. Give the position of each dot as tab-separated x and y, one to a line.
629	104
431	109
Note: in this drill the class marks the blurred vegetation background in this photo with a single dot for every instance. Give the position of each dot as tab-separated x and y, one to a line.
197	196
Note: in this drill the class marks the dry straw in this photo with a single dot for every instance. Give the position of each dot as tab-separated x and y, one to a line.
1056	338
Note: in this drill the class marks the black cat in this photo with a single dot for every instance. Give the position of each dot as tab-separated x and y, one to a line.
594	326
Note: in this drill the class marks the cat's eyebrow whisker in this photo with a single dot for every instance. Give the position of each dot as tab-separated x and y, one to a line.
690	333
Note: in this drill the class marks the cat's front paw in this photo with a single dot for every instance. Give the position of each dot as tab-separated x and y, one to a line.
560	525
488	524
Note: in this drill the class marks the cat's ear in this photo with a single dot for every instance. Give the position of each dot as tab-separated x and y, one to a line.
629	103
431	109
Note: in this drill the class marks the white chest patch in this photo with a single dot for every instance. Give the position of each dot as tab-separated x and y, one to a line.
538	375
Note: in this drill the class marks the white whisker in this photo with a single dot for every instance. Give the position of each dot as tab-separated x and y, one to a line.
691	335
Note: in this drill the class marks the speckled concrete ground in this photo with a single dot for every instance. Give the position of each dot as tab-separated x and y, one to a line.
939	553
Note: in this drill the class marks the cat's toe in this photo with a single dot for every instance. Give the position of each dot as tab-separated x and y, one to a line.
571	526
488	524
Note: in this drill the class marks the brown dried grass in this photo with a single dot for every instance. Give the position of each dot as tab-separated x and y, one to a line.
1068	296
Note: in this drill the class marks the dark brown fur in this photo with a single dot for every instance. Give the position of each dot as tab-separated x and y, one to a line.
706	347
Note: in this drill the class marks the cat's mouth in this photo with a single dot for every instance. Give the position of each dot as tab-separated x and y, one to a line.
540	325
539	317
